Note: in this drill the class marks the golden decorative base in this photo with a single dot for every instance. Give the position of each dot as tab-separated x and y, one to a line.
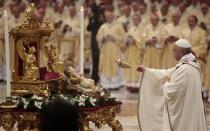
39	88
30	120
24	120
100	117
8	104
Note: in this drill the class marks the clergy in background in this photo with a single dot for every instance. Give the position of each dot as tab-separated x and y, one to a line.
143	11
164	13
118	7
154	36
110	39
207	78
70	43
205	21
133	52
87	46
125	19
58	12
194	9
184	12
196	37
174	31
135	7
73	21
171	100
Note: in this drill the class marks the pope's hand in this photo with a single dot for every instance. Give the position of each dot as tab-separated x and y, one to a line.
165	79
141	68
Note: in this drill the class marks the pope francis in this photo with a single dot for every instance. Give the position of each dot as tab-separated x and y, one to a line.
171	100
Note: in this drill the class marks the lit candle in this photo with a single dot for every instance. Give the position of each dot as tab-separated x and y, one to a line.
82	40
6	37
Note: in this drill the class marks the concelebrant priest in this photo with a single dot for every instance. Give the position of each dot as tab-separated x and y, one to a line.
171	100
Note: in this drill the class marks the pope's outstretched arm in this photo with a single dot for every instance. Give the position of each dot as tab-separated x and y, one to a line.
159	74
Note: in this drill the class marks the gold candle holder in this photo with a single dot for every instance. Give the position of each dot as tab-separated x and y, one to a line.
122	63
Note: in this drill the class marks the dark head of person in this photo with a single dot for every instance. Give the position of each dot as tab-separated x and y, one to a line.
96	19
97	10
59	115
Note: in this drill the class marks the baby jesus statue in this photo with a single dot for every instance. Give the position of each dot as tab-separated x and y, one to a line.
77	79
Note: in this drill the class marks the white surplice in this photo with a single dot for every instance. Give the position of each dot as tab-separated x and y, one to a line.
175	105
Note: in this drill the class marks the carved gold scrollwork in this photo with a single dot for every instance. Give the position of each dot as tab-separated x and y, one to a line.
26	120
50	51
42	88
30	120
20	49
31	71
22	43
7	120
115	125
47	22
101	117
31	21
85	126
43	42
38	88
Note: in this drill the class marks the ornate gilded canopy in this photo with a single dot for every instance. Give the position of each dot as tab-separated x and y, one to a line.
31	44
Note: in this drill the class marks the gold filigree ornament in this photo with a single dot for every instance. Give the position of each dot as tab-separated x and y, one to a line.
31	21
101	117
54	64
47	22
31	70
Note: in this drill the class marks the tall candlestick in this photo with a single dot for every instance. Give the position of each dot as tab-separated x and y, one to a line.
6	37
82	40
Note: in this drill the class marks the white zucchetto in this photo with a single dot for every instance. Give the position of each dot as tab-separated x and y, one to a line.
183	43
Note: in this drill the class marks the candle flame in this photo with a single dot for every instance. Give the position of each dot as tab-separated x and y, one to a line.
5	12
81	9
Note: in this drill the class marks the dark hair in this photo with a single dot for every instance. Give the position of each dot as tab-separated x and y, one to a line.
109	8
186	51
59	115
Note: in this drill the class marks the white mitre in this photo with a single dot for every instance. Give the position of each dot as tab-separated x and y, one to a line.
183	43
